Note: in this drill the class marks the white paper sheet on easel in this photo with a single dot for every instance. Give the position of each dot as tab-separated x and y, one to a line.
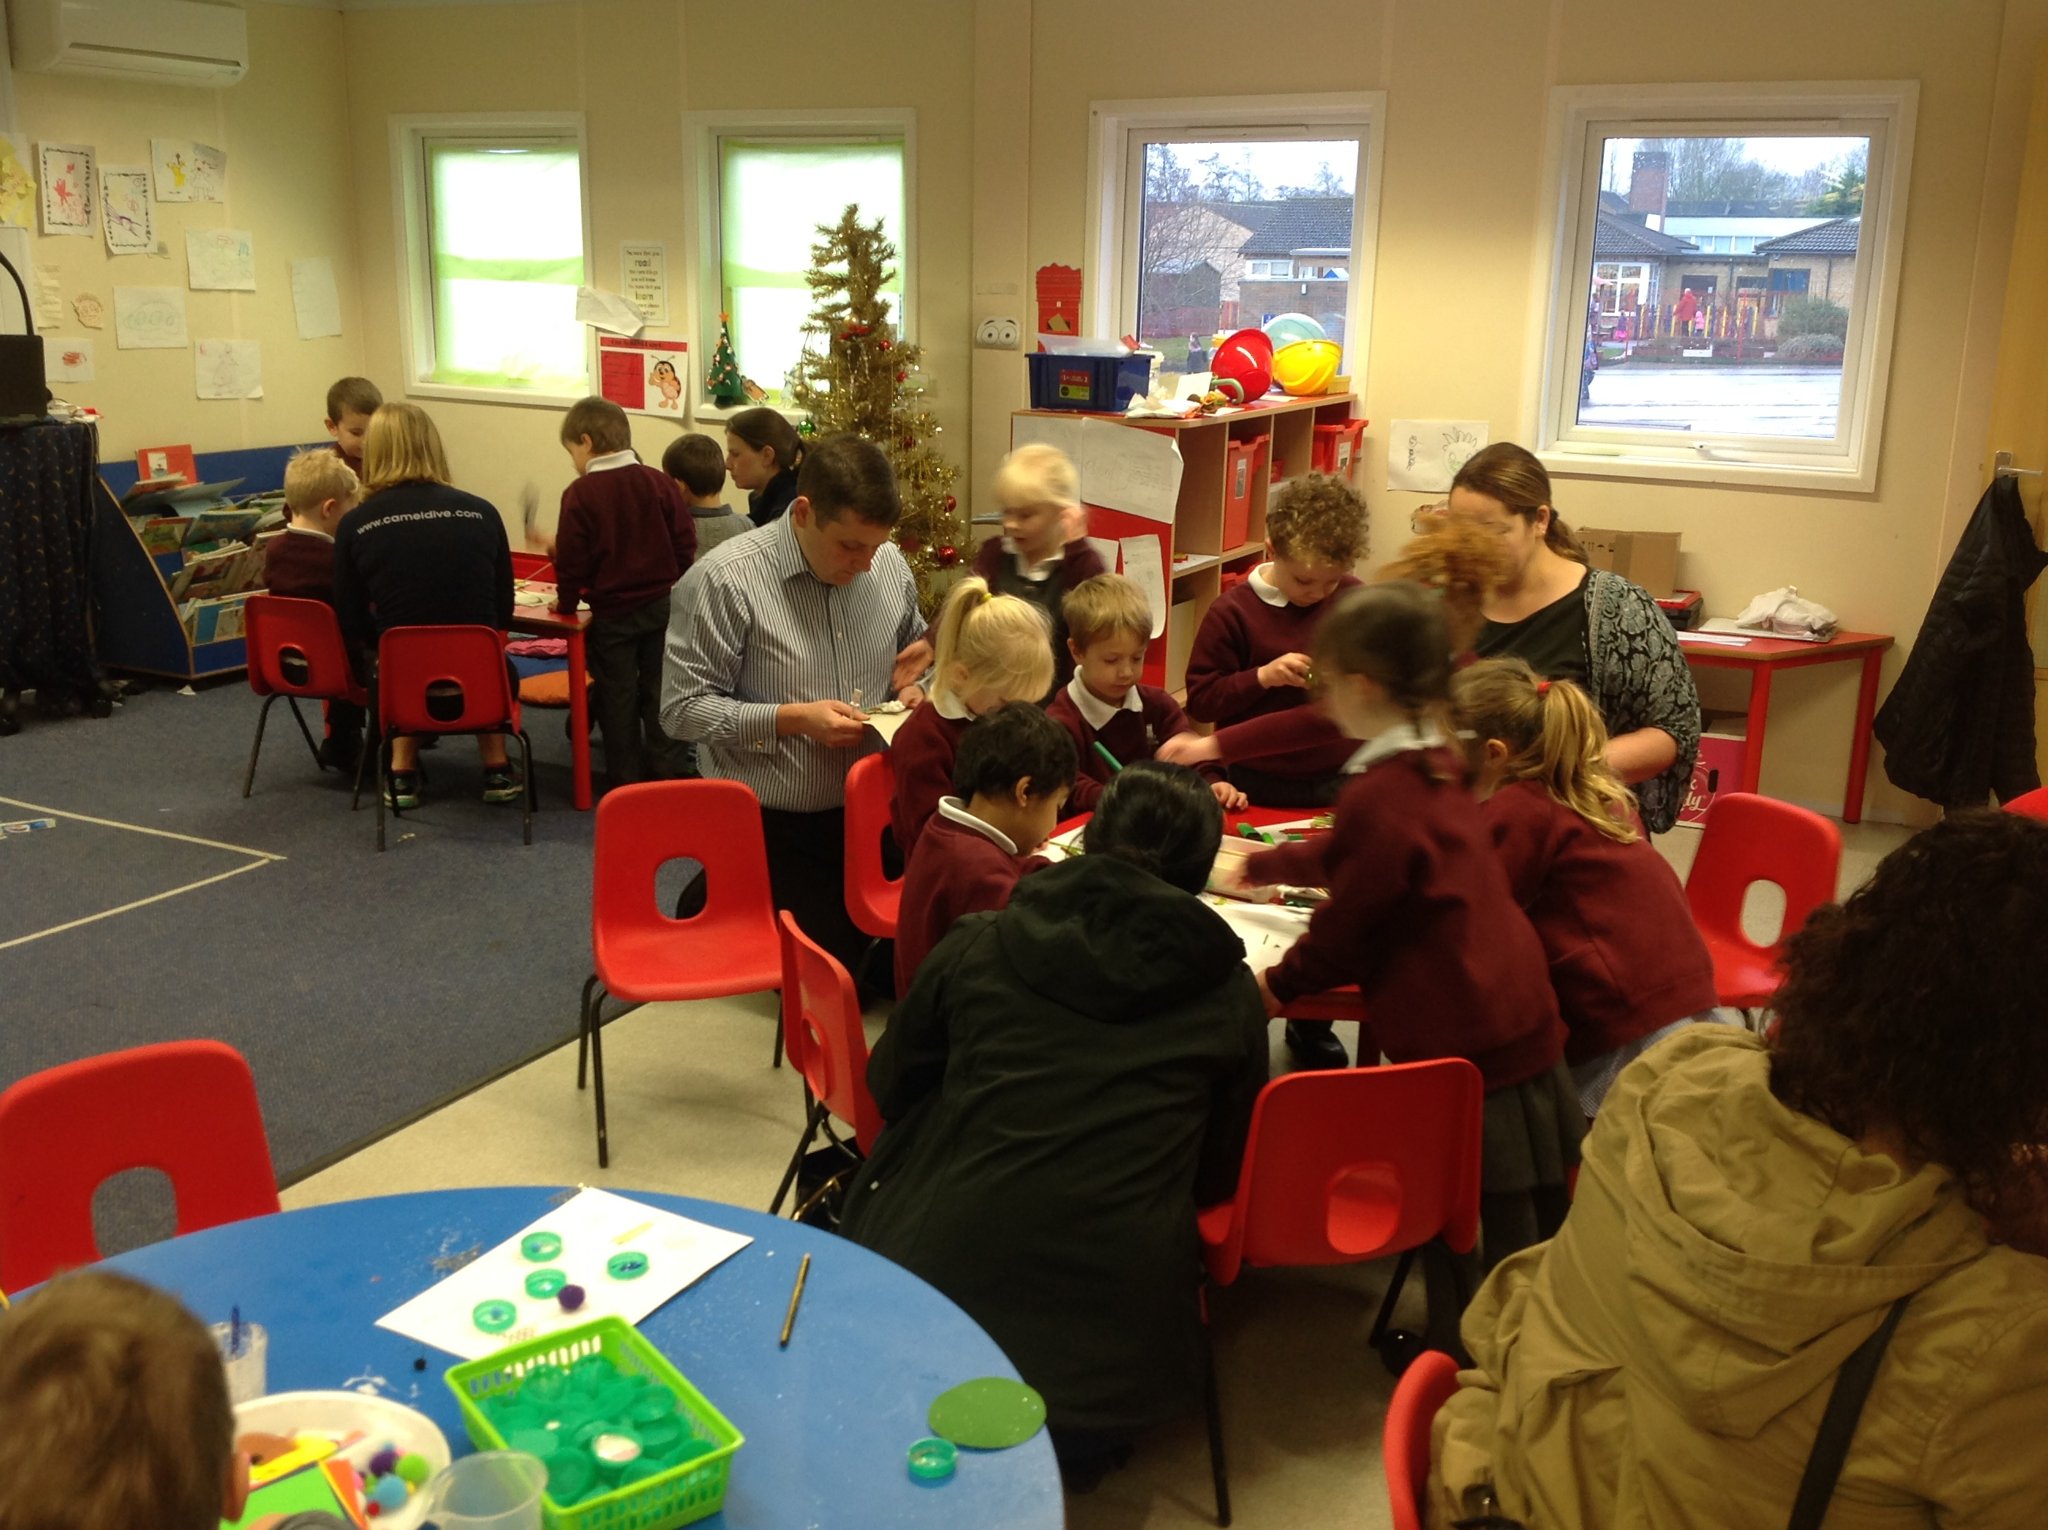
1425	455
1144	568
594	1227
1128	469
314	299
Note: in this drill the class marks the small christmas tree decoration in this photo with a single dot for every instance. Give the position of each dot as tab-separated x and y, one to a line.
728	388
854	375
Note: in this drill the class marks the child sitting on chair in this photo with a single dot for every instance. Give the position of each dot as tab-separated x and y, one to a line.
1010	780
298	563
991	649
1115	720
114	1412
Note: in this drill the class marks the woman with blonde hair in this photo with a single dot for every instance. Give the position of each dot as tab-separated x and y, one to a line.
418	552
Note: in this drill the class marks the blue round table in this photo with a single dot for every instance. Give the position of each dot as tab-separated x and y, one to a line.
827	1421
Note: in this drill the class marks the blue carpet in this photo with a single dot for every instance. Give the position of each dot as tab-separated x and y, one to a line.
363	988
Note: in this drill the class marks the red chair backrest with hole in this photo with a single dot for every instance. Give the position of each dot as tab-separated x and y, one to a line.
1424	1387
411	659
1355	1163
641	827
2033	804
277	627
1748	839
187	1108
822	1034
872	899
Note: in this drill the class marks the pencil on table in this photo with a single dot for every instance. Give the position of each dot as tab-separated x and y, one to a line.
796	1295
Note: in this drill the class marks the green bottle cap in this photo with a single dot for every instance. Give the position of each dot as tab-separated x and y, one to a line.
933	1460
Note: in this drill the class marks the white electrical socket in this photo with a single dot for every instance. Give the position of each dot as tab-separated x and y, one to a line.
998	335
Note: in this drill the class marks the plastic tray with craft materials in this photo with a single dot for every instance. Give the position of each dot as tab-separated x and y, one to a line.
375	1421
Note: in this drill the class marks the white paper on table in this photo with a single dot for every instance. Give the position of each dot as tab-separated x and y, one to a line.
228	368
149	319
607	311
67	360
1128	469
1143	567
221	260
594	1225
1268	930
888	724
314	298
1425	455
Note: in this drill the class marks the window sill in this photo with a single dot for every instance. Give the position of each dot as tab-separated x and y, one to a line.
1619	462
421	388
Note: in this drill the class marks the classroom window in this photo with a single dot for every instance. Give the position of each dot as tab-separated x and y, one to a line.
496	248
1730	200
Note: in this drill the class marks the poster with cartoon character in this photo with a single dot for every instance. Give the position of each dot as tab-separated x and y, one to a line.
124	211
185	171
644	376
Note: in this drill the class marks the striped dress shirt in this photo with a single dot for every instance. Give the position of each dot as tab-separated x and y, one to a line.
751	629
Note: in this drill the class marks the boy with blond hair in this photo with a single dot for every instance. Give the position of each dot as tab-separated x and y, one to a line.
1104	707
114	1413
623	540
350	403
298	563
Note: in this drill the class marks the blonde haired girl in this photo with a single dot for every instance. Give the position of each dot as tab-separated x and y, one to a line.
402	445
1043	554
1626	960
990	650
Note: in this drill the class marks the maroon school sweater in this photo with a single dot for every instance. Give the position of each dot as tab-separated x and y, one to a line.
1421	919
624	539
954	871
1005	576
1625	957
1130	736
1239	633
300	566
922	756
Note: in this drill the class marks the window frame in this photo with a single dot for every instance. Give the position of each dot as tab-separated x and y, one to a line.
1581	117
1116	129
409	138
703	180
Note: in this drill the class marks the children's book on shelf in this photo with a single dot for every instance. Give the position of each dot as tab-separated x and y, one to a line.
214	621
160	464
232	568
163	533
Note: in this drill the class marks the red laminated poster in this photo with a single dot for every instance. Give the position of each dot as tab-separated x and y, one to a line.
1059	300
645	376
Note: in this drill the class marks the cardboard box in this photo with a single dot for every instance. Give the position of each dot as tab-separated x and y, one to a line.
1648	558
1724	746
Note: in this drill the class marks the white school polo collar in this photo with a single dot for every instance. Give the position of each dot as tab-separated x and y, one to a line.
1096	711
312	531
954	809
1045	567
610	460
1264	587
949	706
1402	738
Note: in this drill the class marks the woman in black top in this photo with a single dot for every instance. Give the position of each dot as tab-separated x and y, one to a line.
762	451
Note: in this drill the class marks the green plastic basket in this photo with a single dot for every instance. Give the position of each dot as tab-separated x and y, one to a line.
681	1495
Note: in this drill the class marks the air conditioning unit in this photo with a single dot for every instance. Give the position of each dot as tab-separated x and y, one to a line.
168	42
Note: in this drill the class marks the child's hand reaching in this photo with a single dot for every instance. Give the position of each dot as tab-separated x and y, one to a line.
1288	669
1188	749
1228	797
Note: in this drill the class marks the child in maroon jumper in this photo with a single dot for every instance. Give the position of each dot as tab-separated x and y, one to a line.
1043	554
298	564
624	538
1251	654
1626	960
991	649
1104	707
1420	915
350	403
1010	780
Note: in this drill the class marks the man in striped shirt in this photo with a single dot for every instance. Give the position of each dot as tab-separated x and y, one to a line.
775	642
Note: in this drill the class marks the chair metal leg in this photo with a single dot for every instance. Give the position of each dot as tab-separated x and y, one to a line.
526	793
1212	1402
383	770
304	731
1379	1324
814	1114
604	1146
262	715
362	757
583	1028
777	1059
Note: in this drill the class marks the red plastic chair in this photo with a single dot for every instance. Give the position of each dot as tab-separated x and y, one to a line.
447	680
641	954
1345	1166
1748	839
826	1044
187	1108
872	899
1404	1449
2033	804
295	650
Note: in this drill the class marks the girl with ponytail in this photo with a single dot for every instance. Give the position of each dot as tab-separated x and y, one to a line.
1626	960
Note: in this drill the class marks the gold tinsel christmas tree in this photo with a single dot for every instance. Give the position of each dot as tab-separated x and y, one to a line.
855	375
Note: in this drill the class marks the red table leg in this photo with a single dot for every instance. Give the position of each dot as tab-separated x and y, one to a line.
579	721
1859	741
1759	715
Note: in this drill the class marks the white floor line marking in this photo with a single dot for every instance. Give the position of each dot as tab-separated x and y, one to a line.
136	828
221	876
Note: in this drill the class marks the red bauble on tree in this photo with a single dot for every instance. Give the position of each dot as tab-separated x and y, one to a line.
952	503
948	556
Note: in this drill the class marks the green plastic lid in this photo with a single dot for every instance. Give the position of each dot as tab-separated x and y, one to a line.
991	1413
540	1247
494	1316
542	1284
933	1460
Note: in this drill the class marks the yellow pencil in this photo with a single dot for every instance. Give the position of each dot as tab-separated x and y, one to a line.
803	1272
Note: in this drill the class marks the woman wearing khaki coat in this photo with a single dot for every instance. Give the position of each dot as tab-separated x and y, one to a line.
1747	1214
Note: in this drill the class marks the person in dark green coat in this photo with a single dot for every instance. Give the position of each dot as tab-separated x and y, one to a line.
1067	1080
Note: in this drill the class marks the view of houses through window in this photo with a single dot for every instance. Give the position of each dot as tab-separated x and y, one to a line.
1723	284
1233	233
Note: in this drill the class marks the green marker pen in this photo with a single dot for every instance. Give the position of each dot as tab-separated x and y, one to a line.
1114	764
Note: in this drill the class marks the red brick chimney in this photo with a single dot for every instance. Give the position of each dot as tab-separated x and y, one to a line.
1649	183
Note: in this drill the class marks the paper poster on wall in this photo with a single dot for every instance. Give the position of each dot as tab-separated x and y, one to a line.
188	172
66	173
92	313
645	376
49	299
1136	471
1425	455
644	277
66	360
149	319
314	298
228	368
221	260
17	183
607	311
124	211
1143	566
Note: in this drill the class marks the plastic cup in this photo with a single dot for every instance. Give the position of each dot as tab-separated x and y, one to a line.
492	1490
248	1367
